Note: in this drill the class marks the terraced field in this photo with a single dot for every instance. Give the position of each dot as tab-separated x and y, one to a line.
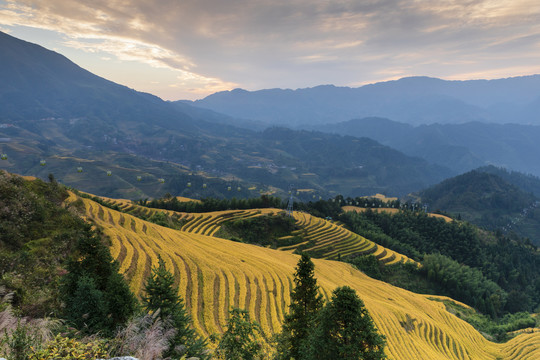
328	240
322	238
199	223
214	274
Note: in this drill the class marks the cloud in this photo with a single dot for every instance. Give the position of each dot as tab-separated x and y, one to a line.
297	43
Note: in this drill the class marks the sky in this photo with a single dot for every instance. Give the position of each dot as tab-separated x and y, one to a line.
188	49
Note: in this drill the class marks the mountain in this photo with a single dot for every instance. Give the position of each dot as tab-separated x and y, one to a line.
527	183
461	147
53	110
489	201
412	100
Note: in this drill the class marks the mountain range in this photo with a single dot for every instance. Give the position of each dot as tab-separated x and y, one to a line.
55	111
461	147
412	100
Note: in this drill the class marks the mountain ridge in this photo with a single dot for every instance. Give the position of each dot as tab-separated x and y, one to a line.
462	147
68	117
415	100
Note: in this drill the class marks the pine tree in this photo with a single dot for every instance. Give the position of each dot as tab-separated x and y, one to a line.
242	340
305	304
96	296
344	331
162	295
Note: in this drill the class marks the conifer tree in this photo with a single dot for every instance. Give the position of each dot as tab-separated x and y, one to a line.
96	296
241	341
162	295
305	304
344	331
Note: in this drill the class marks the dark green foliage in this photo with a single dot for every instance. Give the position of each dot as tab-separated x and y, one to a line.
416	233
262	230
497	330
527	183
321	208
241	340
91	270
37	235
369	265
161	295
465	284
489	201
344	330
212	204
480	258
407	276
87	307
305	304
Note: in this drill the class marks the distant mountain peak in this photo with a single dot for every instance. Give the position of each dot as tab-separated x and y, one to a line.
414	100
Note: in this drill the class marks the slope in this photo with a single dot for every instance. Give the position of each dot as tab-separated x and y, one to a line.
52	109
487	200
320	238
214	274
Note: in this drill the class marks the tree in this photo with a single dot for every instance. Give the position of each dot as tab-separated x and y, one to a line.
305	304
96	296
162	295
344	331
242	340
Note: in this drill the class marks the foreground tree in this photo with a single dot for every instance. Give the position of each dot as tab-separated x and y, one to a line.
96	296
305	304
162	295
242	340
344	331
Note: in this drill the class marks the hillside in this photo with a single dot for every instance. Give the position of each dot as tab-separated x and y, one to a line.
461	147
214	274
53	110
412	100
489	201
317	237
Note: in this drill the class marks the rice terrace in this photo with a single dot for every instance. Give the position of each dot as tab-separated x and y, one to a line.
214	274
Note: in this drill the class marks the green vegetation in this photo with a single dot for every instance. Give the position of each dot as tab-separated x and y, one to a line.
212	204
439	275
499	330
489	201
37	235
96	296
469	258
340	329
242	340
161	297
306	302
54	265
261	230
344	330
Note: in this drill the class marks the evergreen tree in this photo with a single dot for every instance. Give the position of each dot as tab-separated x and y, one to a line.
96	296
305	303
344	331
241	341
87	308
162	295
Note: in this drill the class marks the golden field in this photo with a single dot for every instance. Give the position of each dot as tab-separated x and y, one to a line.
215	274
